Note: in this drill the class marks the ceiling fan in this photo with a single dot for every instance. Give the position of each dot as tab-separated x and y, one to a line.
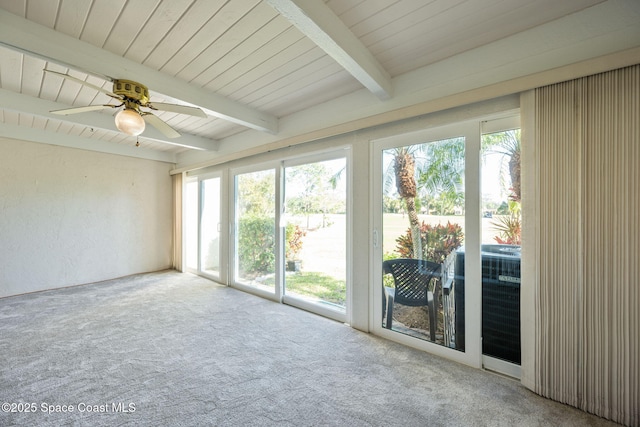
133	96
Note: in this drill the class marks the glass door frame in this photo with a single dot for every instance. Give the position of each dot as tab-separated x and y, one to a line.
188	179
490	126
234	281
297	301
471	131
185	235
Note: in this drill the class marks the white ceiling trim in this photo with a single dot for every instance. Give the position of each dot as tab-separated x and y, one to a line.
26	36
318	22
21	103
25	133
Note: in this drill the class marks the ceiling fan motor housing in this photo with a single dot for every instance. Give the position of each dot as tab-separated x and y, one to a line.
132	90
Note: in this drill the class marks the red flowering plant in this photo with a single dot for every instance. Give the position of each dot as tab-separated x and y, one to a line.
293	235
438	241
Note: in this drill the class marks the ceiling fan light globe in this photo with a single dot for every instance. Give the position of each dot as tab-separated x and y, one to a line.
130	122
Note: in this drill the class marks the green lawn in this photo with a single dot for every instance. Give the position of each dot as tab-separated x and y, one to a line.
315	285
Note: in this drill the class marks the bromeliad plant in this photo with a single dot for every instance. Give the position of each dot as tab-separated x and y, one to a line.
438	241
509	226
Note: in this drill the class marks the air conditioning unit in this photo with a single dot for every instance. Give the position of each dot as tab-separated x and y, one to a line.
500	301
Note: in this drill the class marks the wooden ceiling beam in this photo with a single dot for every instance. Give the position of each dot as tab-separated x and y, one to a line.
318	22
25	133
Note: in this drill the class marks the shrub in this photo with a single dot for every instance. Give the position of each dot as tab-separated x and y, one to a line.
256	245
438	241
387	279
293	237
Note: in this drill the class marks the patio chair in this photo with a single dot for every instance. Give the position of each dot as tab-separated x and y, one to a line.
415	285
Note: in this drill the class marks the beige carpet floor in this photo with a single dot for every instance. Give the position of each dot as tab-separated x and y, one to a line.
171	349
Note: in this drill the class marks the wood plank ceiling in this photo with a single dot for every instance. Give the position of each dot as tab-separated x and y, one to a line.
247	63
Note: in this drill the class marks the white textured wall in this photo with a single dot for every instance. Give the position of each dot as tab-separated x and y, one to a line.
69	216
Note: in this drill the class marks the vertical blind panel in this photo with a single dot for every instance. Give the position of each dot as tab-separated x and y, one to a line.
559	268
588	135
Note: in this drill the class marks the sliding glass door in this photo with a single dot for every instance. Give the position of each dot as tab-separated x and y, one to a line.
426	240
501	244
423	225
447	241
191	223
290	232
210	226
202	225
315	234
254	246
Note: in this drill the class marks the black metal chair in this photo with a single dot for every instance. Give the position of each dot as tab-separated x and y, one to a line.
416	283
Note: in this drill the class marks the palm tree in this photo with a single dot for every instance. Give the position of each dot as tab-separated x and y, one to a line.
404	166
507	144
440	168
442	172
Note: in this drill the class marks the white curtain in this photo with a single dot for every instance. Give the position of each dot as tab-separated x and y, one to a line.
177	221
581	243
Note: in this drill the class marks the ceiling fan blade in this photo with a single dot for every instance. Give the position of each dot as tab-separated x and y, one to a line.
175	108
82	82
159	124
76	110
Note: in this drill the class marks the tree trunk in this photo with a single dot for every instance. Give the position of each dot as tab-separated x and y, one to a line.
414	225
405	165
514	171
